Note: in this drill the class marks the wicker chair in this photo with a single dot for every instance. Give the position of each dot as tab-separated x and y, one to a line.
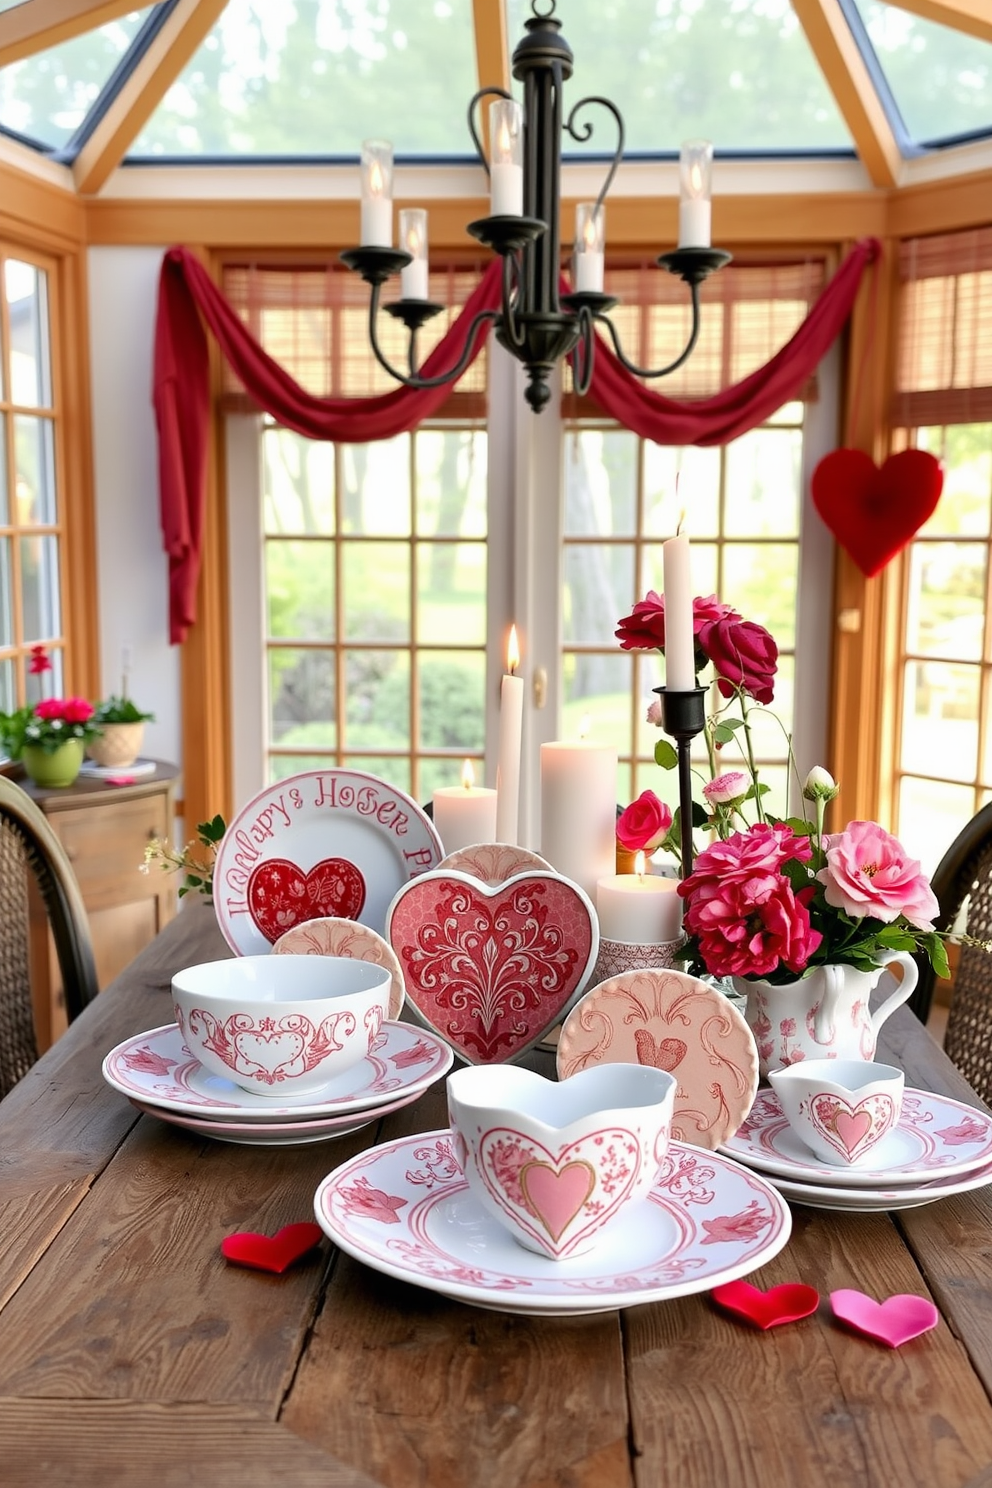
965	871
28	845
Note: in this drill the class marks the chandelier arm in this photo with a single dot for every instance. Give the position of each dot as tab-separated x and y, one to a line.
583	132
414	380
473	103
672	366
582	356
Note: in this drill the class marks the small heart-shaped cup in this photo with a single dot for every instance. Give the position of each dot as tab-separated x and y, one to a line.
556	1164
840	1108
281	1026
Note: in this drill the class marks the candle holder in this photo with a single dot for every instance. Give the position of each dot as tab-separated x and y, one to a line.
683	716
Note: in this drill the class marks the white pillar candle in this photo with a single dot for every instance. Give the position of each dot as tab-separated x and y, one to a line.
638	908
511	712
579	811
506	164
507	191
464	814
377	194
680	665
590	247
695	172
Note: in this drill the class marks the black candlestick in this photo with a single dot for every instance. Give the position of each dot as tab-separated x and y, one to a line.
683	716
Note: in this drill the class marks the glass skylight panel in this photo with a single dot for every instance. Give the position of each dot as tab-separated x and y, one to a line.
47	97
941	79
738	72
316	77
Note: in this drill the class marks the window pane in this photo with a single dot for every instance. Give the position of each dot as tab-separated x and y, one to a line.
452	703
931	814
387	767
940	719
598	585
26	291
35	458
451	482
377	702
376	581
298	491
763	473
8	687
40	606
376	488
677	480
6	595
299	581
596	697
965	502
302	692
451	593
45	684
601	483
946	602
4	503
762	585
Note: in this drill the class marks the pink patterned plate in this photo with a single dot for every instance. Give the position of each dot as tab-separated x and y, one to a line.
882	1200
157	1068
404	1208
492	967
494	862
335	843
934	1138
676	1023
277	1133
336	937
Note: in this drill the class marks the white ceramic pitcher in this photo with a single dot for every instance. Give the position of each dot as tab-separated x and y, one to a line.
824	1015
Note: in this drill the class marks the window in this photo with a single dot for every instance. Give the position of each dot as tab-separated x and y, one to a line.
31	554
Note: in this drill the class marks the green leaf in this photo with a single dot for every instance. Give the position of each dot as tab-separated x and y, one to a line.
757	790
936	949
700	816
665	754
213	830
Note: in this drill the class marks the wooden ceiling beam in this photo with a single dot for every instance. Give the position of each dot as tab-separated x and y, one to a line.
974	17
35	25
150	80
849	81
492	55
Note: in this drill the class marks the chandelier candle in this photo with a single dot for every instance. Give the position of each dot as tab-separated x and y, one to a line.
579	811
511	710
413	237
695	205
464	814
590	247
506	171
638	908
377	194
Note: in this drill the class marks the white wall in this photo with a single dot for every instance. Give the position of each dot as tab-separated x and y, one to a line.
132	571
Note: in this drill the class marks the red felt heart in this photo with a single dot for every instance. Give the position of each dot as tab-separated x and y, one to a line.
492	967
871	512
781	1304
271	1252
281	895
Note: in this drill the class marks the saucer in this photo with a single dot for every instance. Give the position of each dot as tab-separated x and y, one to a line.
158	1068
276	1133
405	1209
934	1137
677	1023
880	1200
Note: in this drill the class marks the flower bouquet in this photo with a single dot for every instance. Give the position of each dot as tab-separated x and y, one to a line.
49	737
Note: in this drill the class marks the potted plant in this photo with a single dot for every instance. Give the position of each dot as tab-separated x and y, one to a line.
49	737
122	728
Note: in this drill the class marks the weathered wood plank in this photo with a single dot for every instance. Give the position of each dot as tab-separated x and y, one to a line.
118	1445
28	1223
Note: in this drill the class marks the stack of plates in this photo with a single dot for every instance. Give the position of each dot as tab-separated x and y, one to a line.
939	1147
158	1074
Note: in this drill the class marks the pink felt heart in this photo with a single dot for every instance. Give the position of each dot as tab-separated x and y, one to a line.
873	513
281	895
492	967
781	1304
894	1321
271	1252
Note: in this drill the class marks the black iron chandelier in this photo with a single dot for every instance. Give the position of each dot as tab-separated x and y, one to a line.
534	323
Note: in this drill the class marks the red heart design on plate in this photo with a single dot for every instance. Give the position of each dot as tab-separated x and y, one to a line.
780	1304
664	1054
894	1321
873	513
271	1252
492	967
281	895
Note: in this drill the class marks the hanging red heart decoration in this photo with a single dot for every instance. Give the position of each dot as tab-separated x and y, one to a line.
873	513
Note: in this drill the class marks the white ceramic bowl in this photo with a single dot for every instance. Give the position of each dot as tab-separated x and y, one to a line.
281	1025
556	1163
840	1108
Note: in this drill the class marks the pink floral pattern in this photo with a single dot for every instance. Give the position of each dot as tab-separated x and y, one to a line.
372	1203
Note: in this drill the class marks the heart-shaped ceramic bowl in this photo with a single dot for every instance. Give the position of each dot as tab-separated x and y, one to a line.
840	1108
281	1025
555	1164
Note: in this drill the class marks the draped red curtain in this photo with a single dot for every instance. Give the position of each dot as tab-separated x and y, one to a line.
181	393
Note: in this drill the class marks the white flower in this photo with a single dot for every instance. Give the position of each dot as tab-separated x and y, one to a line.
820	785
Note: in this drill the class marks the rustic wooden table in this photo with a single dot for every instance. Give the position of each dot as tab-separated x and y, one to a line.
131	1353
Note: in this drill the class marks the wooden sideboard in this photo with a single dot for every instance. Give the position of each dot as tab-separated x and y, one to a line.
104	830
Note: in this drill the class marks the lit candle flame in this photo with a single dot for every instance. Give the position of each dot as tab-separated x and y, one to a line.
377	180
680	524
512	651
468	775
695	178
413	242
639	865
503	141
589	233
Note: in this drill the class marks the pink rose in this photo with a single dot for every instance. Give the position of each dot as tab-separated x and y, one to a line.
645	823
77	710
762	849
743	655
868	874
644	628
654	713
751	928
732	785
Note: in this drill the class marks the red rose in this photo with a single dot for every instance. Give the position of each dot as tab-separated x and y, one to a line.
49	709
644	628
645	823
744	656
77	710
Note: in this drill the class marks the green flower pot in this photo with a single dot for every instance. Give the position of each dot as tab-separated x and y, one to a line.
58	768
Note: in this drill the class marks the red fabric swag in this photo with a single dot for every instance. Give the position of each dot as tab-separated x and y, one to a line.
181	394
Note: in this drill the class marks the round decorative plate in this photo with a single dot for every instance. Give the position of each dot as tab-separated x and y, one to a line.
157	1068
676	1023
325	843
494	862
880	1200
404	1208
934	1137
334	937
276	1133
